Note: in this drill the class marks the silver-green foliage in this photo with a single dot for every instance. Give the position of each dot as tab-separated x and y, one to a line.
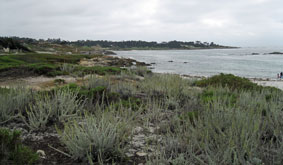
94	138
95	81
140	71
12	102
59	107
173	89
69	68
245	130
124	89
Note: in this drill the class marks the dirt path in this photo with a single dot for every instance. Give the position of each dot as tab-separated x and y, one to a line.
38	83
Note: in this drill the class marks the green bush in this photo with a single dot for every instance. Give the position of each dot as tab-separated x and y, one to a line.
42	69
230	81
49	64
210	95
72	87
13	151
93	93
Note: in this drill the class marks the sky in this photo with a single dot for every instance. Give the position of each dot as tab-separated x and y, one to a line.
226	22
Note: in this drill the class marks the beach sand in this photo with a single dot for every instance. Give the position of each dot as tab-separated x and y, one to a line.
272	83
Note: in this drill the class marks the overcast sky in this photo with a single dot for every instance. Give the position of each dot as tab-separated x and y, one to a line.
228	22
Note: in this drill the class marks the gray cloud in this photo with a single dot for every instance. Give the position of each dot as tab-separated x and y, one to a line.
240	23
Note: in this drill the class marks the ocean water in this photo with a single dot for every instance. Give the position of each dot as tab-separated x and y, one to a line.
241	62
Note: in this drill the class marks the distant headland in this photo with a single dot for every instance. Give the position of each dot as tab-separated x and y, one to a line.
12	42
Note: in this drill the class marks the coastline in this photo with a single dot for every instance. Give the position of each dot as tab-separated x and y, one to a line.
132	49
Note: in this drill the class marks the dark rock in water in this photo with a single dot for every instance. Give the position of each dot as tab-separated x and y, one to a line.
153	63
255	53
185	62
142	64
107	52
170	61
276	53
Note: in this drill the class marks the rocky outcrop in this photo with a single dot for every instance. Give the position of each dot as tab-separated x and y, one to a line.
111	61
276	53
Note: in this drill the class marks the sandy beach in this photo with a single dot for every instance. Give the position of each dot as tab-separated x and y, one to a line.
272	83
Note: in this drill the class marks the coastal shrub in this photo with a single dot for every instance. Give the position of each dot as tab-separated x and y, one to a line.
230	81
92	93
234	127
125	89
38	115
49	109
95	138
164	85
12	151
71	87
140	71
95	81
211	94
131	103
100	70
42	69
13	101
172	89
67	68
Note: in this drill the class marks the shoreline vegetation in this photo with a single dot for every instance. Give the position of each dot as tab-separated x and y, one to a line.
99	109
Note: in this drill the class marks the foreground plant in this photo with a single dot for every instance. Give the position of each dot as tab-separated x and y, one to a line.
13	101
59	107
233	127
95	138
13	151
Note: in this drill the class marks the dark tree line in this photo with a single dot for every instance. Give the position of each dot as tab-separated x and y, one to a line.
12	43
145	44
123	44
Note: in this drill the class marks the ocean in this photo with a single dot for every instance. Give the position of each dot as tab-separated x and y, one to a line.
244	62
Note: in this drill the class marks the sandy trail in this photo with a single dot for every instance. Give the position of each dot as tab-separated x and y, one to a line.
38	83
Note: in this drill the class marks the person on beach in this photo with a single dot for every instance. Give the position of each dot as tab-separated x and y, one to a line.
278	75
281	75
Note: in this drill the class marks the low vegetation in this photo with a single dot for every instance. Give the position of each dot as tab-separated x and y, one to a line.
51	65
13	151
131	116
